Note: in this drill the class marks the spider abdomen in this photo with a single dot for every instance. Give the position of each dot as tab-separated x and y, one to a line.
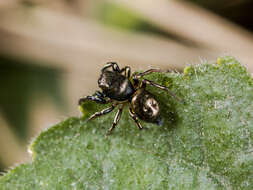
145	106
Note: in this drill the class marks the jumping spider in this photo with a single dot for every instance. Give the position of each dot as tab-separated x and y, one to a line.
118	88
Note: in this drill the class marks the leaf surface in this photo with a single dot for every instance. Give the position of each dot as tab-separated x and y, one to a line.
204	143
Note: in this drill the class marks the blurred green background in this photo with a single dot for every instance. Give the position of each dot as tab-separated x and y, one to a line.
23	83
51	52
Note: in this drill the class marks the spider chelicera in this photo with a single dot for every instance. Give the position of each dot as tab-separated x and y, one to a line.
118	89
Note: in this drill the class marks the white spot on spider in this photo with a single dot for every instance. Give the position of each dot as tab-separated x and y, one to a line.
123	86
134	98
102	83
152	104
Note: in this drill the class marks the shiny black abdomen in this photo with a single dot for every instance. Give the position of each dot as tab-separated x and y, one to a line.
115	85
144	104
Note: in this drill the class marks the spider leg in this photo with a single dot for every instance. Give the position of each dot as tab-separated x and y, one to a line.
127	71
147	72
96	99
137	76
116	118
145	81
103	112
113	65
99	94
134	117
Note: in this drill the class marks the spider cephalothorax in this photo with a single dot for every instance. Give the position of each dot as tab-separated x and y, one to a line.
118	89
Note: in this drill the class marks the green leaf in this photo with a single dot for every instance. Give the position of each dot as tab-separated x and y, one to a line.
204	143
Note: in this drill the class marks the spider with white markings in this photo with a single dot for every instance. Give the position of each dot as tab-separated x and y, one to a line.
118	89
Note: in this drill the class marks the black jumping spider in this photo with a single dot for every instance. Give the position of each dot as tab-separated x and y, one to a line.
118	88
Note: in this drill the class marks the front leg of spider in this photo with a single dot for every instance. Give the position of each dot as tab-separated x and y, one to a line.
127	71
112	65
98	97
